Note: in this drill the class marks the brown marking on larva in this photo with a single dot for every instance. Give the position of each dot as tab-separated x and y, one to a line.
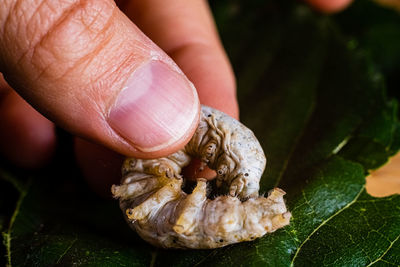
156	207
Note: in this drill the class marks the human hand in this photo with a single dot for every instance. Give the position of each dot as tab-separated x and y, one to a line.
88	68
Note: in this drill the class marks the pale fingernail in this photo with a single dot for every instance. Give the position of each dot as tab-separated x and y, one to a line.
157	107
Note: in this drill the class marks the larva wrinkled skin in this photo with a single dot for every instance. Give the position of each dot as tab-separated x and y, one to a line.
155	205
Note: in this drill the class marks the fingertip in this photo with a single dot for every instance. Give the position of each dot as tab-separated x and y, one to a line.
158	110
329	6
26	138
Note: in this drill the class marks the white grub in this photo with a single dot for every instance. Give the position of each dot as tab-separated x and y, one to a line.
155	205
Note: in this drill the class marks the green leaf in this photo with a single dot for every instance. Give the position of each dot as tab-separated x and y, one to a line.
317	105
375	29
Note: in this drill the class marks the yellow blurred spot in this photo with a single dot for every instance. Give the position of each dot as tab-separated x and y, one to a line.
385	181
395	4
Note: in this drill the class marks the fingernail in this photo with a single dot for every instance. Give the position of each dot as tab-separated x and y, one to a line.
157	107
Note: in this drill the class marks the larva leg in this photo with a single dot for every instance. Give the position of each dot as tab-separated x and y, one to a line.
169	166
237	186
192	207
167	193
140	187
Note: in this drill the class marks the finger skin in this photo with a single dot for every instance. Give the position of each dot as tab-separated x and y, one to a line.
73	59
329	6
27	139
100	166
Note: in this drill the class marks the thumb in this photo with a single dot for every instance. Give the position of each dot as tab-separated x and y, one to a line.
85	66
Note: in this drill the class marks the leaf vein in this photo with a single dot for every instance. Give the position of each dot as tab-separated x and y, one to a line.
66	250
386	251
7	235
324	222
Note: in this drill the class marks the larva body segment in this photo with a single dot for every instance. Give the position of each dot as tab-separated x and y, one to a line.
230	148
155	205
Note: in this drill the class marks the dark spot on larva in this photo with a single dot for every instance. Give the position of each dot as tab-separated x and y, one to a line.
221	240
209	115
246	174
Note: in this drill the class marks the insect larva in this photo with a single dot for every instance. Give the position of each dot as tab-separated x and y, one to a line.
155	205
